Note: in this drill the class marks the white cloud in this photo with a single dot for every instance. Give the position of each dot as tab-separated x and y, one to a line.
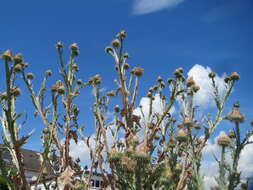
204	97
209	167
157	107
148	6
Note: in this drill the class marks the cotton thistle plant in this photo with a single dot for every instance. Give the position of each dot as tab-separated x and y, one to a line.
234	143
59	131
152	151
168	153
12	141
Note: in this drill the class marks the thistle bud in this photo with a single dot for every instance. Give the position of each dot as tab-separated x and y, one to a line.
15	91
30	76
122	34
178	72
126	66
18	68
170	80
18	58
58	87
111	93
190	82
79	82
224	140
149	95
117	109
59	45
7	55
182	135
234	76
235	115
195	88
48	73
227	79
159	79
212	75
126	56
3	96
116	43
231	134
109	50
162	84
74	49
172	142
155	88
138	71
75	67
188	122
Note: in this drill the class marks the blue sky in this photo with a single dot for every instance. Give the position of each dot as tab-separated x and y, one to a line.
162	35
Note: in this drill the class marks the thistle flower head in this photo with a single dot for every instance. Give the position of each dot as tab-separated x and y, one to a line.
48	73
235	115
234	76
231	134
74	49
227	79
188	122
126	66
178	72
109	49
117	109
59	45
195	88
18	68
159	79
122	34
126	55
190	82
116	43
18	58
58	87
182	135
15	91
212	75
7	55
224	140
138	71
111	93
30	76
170	80
75	67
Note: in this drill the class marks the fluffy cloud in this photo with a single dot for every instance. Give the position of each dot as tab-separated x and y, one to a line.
157	106
204	96
209	167
148	6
